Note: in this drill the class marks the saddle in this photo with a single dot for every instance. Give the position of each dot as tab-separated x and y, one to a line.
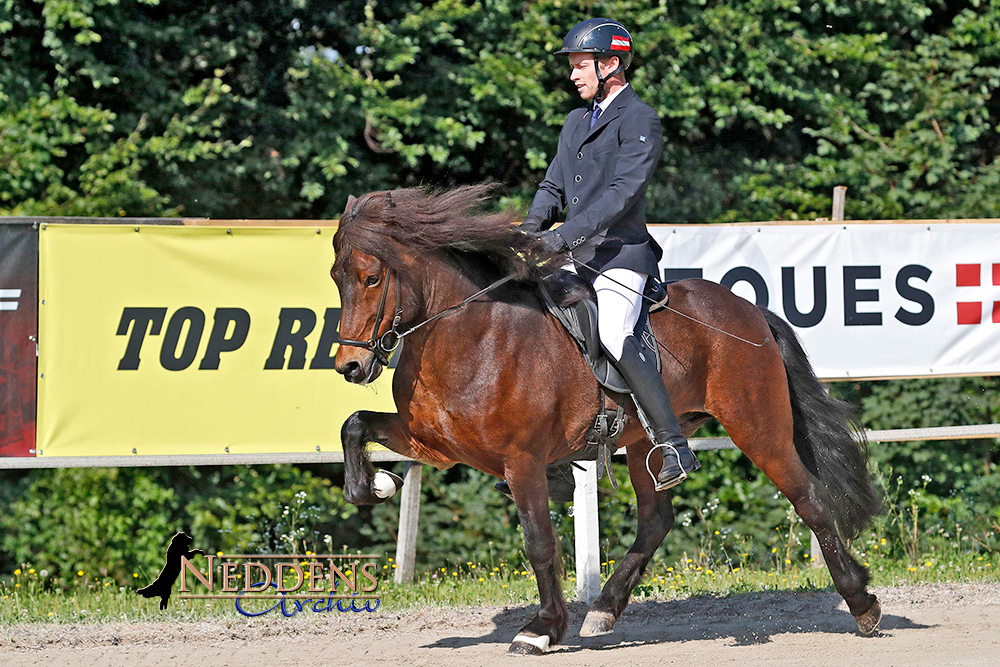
580	320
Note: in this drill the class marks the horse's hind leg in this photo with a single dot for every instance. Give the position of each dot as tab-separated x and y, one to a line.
771	448
655	519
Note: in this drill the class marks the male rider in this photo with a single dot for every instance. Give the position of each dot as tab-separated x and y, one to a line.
607	152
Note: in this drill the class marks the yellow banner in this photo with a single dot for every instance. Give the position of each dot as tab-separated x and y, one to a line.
190	340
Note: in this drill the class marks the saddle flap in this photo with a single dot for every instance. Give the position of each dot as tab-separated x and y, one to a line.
580	321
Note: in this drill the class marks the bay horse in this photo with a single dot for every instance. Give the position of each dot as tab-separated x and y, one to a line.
500	385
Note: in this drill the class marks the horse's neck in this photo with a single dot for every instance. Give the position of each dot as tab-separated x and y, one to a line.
444	284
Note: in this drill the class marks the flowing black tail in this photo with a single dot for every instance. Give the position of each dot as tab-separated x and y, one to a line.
828	438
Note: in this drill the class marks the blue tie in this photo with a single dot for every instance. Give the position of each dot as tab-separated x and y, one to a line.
594	116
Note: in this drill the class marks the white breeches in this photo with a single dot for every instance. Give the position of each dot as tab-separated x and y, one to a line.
619	303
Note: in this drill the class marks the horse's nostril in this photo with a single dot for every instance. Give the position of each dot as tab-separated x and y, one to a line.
351	369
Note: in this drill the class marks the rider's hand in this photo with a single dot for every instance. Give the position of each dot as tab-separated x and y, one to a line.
531	225
551	243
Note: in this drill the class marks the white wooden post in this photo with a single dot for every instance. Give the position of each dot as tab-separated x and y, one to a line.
409	514
586	532
839	199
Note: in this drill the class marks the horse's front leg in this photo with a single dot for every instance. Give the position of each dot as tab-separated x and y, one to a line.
655	519
361	428
530	489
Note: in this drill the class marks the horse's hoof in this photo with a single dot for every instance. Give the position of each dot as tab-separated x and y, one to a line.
868	621
385	484
597	623
527	645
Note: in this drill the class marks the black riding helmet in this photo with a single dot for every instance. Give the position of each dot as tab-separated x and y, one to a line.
604	38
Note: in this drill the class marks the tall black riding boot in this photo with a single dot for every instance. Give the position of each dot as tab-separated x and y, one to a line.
647	387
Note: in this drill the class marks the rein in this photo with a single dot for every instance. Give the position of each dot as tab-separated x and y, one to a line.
673	310
384	345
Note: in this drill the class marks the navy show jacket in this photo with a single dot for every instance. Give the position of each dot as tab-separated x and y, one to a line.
599	176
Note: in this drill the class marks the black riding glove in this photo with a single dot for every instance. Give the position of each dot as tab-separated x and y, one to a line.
551	243
531	224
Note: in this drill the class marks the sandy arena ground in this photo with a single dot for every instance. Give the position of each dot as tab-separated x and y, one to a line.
948	624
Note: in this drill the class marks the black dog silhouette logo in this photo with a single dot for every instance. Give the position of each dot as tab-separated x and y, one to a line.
179	545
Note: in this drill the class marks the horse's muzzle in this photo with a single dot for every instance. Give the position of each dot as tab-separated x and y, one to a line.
358	373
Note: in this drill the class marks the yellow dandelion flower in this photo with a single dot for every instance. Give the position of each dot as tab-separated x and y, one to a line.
774	550
788	562
218	553
31	571
135	575
79	573
17	572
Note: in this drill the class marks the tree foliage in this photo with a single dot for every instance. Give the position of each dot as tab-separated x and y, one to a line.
282	109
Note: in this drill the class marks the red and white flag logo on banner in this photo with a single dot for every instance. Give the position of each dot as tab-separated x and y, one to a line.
619	44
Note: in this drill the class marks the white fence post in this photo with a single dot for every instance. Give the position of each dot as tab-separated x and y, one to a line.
586	532
839	199
409	515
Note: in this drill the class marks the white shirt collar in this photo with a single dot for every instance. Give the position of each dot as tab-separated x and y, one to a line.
607	100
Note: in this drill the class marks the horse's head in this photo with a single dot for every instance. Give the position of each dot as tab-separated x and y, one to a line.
370	295
391	245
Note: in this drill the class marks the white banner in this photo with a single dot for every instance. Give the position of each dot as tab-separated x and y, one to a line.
867	299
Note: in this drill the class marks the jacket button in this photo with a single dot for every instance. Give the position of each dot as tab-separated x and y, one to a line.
576	200
578	178
579	156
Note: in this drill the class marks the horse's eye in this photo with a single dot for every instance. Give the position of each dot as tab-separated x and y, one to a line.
371	281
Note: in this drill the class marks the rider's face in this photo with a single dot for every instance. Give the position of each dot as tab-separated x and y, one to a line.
583	76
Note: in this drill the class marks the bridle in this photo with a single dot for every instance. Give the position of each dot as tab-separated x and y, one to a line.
383	346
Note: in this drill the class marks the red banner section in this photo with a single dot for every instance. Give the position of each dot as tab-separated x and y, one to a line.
18	336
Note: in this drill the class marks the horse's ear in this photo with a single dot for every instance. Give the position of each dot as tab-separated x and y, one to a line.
352	206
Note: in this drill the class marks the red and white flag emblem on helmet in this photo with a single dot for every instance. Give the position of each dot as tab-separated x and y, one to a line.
619	43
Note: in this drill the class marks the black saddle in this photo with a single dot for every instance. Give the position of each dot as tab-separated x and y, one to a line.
580	320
